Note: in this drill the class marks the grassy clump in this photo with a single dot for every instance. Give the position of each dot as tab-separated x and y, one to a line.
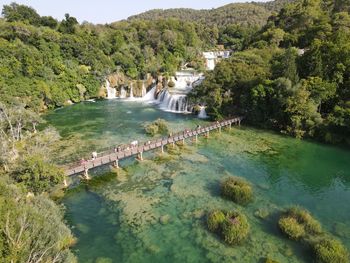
329	250
291	228
233	227
237	190
215	219
297	222
159	126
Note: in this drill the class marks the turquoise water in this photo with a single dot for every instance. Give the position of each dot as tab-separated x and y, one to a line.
154	211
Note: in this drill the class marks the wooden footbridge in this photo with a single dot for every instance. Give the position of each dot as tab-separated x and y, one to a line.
114	155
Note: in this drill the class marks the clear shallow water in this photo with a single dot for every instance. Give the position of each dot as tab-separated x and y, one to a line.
154	211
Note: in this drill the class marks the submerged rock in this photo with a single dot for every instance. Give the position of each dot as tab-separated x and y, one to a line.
165	219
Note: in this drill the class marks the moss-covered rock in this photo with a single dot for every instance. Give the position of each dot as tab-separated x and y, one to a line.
215	219
237	189
329	250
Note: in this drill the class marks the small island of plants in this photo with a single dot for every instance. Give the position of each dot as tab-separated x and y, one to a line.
297	223
232	226
159	126
237	189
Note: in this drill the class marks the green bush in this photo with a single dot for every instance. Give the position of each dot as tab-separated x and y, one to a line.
215	219
330	250
237	190
159	126
297	222
235	228
291	228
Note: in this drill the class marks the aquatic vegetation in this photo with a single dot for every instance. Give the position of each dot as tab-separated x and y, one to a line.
235	228
232	226
297	222
329	250
262	213
215	219
237	189
159	126
291	227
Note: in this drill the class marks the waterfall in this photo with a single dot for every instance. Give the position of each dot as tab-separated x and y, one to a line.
202	113
172	102
149	96
122	93
144	91
131	92
111	92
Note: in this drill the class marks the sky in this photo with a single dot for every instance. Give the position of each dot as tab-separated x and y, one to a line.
107	11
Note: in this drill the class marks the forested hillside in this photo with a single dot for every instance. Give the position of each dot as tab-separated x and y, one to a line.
45	63
245	14
293	76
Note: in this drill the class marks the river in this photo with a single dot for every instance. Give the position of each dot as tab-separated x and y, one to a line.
154	211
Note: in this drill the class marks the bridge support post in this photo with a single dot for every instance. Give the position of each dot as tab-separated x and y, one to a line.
239	122
173	144
220	129
207	134
196	139
162	149
230	125
183	141
139	157
116	164
86	174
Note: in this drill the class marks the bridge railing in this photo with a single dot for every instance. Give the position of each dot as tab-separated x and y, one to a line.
158	142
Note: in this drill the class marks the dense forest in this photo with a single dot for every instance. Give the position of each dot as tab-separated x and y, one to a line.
236	13
292	76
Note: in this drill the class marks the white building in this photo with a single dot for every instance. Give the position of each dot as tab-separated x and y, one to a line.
213	57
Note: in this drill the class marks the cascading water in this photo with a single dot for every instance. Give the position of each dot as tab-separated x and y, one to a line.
144	91
111	92
131	96
122	93
150	96
172	102
202	113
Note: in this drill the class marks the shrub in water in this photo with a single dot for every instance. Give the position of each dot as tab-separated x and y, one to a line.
237	190
159	126
330	250
291	228
296	222
215	219
235	228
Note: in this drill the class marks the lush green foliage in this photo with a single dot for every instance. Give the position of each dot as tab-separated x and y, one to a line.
237	189
159	126
292	76
297	222
329	250
46	63
236	13
232	226
31	228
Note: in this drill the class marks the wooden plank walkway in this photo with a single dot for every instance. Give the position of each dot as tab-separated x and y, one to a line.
110	156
